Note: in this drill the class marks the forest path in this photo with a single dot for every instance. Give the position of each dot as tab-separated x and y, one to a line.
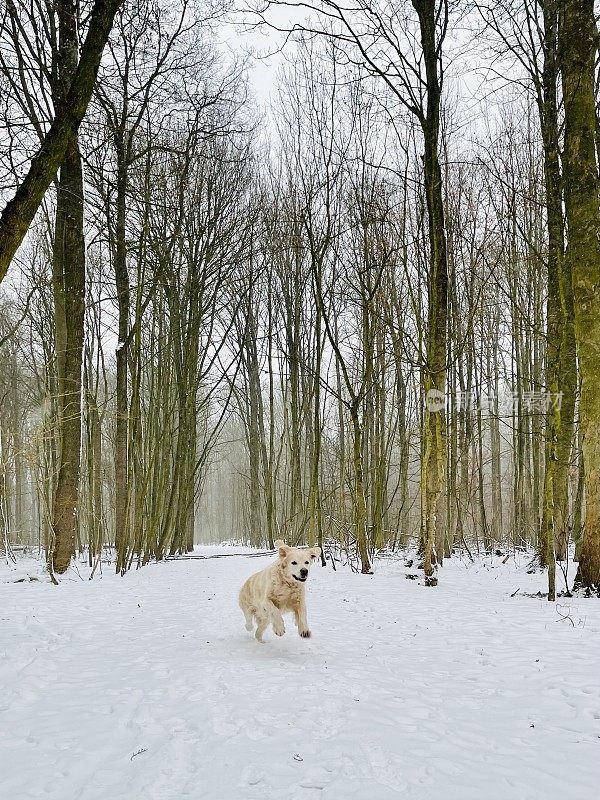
148	687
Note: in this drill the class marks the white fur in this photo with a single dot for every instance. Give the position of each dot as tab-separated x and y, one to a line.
278	588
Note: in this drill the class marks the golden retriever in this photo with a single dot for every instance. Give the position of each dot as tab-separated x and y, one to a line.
279	588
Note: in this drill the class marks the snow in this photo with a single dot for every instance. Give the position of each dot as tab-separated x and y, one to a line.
148	687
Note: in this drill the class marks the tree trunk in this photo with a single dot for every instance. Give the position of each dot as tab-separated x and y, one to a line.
577	53
560	362
434	368
69	288
68	268
121	391
360	507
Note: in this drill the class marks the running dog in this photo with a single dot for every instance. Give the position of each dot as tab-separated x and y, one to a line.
277	589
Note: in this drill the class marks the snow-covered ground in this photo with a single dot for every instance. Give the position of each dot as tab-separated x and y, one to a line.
148	687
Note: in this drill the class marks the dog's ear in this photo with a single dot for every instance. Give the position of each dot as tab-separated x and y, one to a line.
315	552
283	548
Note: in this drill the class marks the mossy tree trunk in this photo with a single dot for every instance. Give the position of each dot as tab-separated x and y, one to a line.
577	54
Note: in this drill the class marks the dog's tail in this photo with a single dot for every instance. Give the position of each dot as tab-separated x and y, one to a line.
279	543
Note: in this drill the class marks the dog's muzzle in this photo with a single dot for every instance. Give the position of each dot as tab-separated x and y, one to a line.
299	579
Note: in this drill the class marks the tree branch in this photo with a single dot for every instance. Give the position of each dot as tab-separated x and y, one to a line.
19	212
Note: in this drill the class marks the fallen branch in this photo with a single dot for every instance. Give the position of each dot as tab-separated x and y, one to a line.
186	557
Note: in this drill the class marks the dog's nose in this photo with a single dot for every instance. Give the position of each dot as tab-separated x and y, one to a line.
303	572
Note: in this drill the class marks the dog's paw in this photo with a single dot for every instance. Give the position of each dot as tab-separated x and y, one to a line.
305	634
279	630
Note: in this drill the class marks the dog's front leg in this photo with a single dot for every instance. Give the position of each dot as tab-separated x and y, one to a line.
276	619
301	620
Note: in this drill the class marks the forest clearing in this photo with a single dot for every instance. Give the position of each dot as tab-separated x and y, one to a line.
149	687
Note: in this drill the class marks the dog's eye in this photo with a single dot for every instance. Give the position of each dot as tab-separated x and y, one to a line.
294	563
306	562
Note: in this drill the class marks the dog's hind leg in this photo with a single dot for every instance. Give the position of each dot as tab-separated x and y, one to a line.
262	621
249	619
247	609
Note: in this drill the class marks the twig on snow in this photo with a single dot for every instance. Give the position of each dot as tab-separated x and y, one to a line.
563	617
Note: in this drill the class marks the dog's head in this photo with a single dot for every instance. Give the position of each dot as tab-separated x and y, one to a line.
295	561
